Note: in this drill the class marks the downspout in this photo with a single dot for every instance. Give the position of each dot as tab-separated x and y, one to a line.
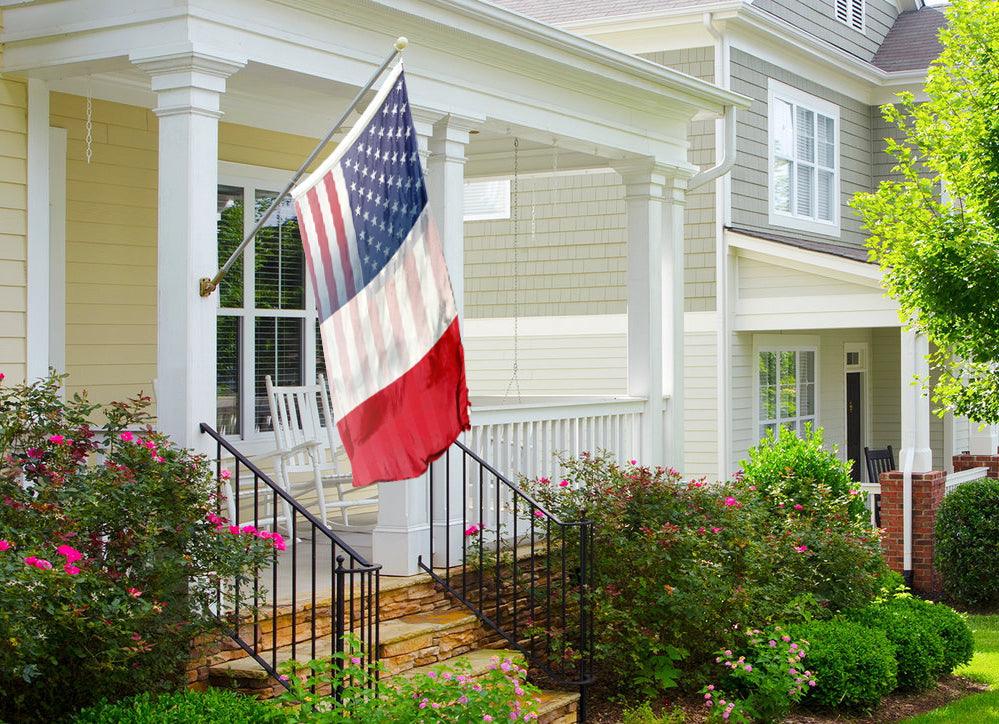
726	138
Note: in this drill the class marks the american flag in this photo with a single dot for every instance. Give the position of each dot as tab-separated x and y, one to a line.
387	314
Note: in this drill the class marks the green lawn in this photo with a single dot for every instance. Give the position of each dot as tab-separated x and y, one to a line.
985	668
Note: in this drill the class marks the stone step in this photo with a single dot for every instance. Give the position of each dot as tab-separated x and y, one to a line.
558	707
404	643
479	662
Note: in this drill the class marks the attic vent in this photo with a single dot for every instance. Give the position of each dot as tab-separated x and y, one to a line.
850	12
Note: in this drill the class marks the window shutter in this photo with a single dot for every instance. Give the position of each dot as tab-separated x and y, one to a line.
486	200
857	15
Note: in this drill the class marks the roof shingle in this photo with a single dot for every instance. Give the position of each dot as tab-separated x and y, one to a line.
912	42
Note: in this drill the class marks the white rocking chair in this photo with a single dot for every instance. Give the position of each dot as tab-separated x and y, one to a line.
305	445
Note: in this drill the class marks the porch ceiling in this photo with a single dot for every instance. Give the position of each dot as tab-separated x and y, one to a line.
304	57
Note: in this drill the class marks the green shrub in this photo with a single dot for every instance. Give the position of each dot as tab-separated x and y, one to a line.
919	648
967	543
109	558
952	628
209	707
854	664
643	714
763	683
704	561
792	469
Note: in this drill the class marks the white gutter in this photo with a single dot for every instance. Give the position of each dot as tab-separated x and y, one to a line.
727	161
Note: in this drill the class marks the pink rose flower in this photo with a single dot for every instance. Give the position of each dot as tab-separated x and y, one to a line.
539	513
5	545
30	560
126	436
69	553
801	548
226	474
563	483
234	529
730	501
134	592
71	569
472	529
34	452
56	439
799	506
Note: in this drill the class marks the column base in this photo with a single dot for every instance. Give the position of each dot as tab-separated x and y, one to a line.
398	549
449	544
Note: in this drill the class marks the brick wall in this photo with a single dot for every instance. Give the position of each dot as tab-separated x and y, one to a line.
964	461
928	491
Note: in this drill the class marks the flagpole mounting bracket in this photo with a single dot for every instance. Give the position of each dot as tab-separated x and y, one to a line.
206	287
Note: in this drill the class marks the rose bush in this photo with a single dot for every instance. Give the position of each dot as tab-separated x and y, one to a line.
111	550
682	567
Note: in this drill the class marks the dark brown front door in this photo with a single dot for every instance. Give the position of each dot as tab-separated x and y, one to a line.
854	444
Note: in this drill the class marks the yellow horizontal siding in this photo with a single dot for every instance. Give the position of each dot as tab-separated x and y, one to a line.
111	218
13	223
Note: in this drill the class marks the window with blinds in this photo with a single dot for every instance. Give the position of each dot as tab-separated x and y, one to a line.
803	160
850	12
787	391
264	310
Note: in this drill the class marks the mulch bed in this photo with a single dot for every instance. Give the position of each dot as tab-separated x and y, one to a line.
895	707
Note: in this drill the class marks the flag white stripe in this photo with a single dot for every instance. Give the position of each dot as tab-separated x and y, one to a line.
409	344
312	239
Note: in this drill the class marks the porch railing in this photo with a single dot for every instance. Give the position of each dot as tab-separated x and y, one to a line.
523	439
520	569
319	588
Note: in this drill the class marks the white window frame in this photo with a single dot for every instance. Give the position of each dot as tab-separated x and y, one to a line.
784	343
252	179
851	8
867	414
500	211
792	220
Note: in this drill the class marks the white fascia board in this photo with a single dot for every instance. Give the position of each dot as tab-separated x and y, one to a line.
815	320
812	262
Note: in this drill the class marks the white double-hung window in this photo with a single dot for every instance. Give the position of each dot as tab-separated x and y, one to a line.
786	388
266	316
804	160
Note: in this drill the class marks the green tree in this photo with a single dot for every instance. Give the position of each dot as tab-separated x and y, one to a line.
935	228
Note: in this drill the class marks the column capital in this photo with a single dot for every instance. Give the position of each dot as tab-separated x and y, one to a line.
648	177
187	80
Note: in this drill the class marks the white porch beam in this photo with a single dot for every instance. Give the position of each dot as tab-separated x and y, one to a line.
654	196
188	86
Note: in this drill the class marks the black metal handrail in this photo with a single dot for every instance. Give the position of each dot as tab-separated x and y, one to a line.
349	599
519	568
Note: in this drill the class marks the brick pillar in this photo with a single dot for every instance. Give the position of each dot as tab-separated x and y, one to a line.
927	494
966	461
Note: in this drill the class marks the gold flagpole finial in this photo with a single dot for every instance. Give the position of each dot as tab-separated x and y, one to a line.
401	42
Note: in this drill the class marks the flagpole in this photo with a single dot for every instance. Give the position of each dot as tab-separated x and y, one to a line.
206	285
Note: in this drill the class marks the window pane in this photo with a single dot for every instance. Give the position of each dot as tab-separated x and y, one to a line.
827	142
227	419
279	260
805	189
783	179
768	368
783	125
320	357
826	195
805	134
806	401
230	234
279	348
806	368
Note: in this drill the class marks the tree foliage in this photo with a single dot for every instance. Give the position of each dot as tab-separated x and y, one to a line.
935	226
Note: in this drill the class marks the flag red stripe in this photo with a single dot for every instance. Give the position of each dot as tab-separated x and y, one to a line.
324	245
320	297
341	236
433	390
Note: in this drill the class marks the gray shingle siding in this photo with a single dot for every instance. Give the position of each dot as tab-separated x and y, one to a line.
750	177
699	219
818	18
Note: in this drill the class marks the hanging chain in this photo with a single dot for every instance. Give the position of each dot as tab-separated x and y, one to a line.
514	383
90	121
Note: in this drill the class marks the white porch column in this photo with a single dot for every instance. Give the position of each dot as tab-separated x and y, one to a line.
446	186
38	313
655	197
916	455
188	86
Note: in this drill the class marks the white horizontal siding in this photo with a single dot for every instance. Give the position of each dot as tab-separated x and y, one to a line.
700	410
760	280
